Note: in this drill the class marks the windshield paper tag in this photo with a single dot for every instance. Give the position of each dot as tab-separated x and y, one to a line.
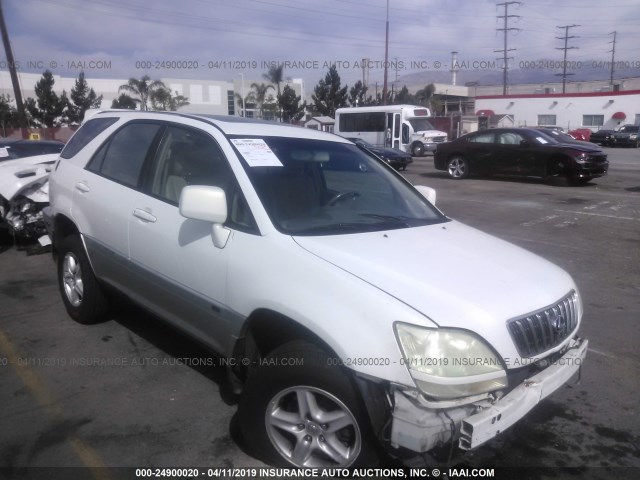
256	152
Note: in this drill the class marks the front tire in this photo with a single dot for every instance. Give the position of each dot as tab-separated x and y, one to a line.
81	293
458	167
300	409
417	149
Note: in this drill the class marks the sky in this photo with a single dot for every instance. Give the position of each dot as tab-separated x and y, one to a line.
221	39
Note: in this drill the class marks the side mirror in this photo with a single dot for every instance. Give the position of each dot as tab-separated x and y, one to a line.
427	192
208	204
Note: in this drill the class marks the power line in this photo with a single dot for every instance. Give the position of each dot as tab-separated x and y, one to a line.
506	29
565	48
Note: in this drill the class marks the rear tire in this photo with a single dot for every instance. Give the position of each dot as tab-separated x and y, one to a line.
417	149
81	293
300	409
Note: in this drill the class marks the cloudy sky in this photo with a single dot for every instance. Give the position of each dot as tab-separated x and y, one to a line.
219	39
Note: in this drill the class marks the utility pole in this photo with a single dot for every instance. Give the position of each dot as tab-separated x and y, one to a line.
386	59
506	29
613	56
565	48
22	116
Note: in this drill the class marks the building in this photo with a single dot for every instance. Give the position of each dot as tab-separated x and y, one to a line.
321	123
593	110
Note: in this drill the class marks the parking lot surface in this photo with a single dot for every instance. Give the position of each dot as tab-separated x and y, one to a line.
131	392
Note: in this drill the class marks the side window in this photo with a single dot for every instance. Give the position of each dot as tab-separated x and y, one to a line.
90	130
189	157
122	156
510	138
483	138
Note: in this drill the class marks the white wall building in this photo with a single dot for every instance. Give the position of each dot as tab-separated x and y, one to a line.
593	110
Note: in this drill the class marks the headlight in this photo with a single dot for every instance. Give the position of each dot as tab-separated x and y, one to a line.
583	157
449	363
633	136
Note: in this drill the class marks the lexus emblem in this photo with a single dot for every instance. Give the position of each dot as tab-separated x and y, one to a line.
559	323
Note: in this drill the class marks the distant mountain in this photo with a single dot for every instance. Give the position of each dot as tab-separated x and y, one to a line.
537	71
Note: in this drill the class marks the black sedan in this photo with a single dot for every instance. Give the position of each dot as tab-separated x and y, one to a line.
396	158
602	137
522	152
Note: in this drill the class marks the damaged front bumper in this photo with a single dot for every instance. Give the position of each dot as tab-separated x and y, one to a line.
420	425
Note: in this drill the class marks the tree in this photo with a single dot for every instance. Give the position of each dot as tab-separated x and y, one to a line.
260	95
404	97
47	109
141	89
423	96
8	114
275	76
162	99
358	95
82	99
290	104
124	101
328	96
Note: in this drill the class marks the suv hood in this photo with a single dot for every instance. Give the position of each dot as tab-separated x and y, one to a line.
454	275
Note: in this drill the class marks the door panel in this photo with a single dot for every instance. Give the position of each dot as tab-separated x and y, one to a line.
181	274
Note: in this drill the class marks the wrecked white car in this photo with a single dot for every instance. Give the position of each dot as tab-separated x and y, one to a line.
352	314
24	192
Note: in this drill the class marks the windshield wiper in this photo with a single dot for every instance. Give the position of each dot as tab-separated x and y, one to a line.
388	218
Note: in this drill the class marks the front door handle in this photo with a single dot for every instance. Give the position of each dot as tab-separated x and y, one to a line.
144	215
83	187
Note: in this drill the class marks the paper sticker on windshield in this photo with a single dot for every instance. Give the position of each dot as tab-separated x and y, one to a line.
541	140
256	152
4	152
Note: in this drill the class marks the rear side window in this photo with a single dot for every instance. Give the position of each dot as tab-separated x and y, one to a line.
122	156
85	134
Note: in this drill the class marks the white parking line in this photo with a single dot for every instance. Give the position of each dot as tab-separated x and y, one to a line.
617	217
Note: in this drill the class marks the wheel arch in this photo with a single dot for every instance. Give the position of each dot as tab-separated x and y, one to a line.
63	226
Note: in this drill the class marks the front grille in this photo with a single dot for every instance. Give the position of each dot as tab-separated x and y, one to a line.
439	139
545	329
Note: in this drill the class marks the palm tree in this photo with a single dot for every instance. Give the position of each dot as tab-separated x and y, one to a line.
142	89
275	75
260	95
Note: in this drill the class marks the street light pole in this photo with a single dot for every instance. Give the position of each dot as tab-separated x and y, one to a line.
242	94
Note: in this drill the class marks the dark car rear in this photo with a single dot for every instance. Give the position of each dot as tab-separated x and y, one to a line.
396	158
520	152
12	149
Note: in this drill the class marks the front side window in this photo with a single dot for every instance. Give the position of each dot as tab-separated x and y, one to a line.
189	157
122	156
312	187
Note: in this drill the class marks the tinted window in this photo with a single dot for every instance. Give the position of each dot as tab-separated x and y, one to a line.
85	134
482	138
122	156
510	138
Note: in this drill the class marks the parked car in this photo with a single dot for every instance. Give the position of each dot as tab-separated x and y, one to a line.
627	136
583	134
602	137
10	149
520	152
277	247
394	157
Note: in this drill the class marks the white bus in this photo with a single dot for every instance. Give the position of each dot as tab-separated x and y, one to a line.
404	127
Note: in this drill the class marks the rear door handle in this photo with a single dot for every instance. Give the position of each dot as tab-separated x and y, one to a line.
83	187
144	215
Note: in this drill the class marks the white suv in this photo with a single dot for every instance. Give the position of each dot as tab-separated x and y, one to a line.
352	314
